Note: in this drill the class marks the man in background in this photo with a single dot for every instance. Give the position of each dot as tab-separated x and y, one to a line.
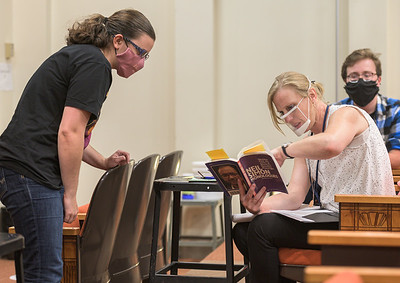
361	71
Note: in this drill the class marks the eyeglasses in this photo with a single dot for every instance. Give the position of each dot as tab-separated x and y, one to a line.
366	76
142	52
284	116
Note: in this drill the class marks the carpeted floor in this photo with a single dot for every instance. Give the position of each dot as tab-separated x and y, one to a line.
7	269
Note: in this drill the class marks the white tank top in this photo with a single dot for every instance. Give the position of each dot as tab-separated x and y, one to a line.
363	167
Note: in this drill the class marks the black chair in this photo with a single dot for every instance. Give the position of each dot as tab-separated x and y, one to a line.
97	237
169	166
124	263
13	243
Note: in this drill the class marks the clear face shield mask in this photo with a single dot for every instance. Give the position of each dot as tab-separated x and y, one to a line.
303	128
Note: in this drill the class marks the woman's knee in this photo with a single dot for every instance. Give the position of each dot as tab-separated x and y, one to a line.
239	234
265	226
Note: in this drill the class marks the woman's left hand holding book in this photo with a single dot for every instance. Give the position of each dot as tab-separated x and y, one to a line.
251	200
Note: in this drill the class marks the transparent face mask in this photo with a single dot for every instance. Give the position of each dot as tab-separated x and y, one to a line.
283	117
303	128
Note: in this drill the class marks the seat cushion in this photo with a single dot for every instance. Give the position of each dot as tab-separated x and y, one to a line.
299	256
83	208
75	223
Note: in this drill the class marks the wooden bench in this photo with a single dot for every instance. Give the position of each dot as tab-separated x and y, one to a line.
357	248
318	274
373	255
69	253
368	242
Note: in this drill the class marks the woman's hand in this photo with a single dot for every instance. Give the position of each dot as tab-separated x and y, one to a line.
119	157
250	200
70	208
279	155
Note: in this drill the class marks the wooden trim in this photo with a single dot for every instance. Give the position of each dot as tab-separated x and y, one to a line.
71	231
314	274
70	255
367	199
354	238
68	231
81	216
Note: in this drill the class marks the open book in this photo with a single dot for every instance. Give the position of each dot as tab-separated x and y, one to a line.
255	164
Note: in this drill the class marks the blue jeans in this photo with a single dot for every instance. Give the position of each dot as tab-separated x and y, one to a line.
37	212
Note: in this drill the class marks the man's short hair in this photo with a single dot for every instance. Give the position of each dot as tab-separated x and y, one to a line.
358	55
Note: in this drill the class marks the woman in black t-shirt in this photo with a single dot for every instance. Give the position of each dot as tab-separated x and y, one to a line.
42	148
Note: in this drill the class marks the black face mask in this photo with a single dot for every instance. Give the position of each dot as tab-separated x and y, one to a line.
362	92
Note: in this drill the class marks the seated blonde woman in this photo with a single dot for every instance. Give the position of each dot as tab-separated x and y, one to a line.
344	153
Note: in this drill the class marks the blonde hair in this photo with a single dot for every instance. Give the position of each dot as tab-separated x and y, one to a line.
299	83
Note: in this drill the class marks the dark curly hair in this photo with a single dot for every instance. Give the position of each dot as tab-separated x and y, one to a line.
99	30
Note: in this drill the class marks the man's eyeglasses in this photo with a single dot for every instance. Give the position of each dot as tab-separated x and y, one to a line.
366	76
142	52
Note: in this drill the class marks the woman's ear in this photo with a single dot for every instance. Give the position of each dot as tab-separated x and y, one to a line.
312	94
118	41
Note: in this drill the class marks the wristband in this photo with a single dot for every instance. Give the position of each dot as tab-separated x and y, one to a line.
284	150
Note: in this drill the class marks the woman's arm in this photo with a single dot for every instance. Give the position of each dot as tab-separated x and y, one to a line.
344	125
95	159
70	151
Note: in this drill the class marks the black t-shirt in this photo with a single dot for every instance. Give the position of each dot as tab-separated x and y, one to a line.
78	76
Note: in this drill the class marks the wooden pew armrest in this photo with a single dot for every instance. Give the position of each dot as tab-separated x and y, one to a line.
314	274
367	199
67	231
354	238
71	231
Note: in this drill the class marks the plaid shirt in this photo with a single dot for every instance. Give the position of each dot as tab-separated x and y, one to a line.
387	118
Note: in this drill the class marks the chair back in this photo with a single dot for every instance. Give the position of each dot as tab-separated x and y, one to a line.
169	166
100	227
124	260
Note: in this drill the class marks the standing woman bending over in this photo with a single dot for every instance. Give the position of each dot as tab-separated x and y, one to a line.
42	148
352	160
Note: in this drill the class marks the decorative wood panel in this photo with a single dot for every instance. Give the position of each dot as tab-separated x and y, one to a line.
370	216
70	255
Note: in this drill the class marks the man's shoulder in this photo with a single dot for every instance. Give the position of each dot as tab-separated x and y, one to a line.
390	101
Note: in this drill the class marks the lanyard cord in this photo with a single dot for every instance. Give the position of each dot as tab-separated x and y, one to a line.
315	183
